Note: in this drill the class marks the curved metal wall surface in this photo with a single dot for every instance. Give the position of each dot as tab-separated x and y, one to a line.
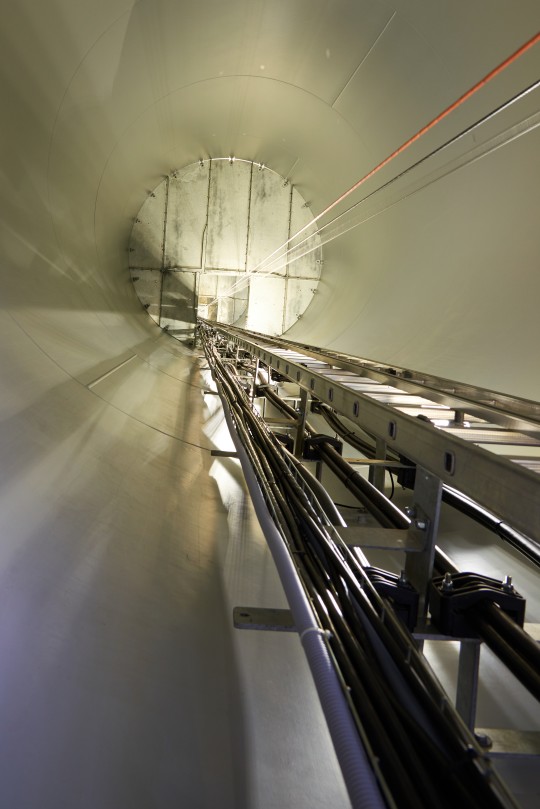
102	101
113	535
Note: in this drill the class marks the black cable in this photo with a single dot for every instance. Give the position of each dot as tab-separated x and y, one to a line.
519	667
524	544
339	586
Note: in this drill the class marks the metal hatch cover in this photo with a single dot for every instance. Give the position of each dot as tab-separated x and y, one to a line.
201	243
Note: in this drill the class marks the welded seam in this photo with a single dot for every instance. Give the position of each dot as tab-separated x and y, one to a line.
248	216
189	86
247	238
404	146
129	11
98	379
163	251
152	426
468	158
286	293
106	401
334	102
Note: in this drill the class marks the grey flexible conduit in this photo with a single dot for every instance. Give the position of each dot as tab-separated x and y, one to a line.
453	741
357	771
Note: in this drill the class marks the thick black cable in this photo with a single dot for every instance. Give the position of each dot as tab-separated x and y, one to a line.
522	543
283	481
377	696
392	507
461	760
286	478
517	663
527	673
353	583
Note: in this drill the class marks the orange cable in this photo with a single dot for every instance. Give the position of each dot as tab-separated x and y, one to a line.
479	84
491	75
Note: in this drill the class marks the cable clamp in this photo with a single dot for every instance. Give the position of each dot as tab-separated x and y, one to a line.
323	633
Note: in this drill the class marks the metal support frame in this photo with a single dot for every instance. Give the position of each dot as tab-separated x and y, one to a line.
377	473
467	681
254	385
301	424
425	515
281	620
506	488
468	669
388	539
419	542
266	619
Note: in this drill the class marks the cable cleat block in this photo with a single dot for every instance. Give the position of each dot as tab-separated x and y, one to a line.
399	591
452	596
312	444
286	440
